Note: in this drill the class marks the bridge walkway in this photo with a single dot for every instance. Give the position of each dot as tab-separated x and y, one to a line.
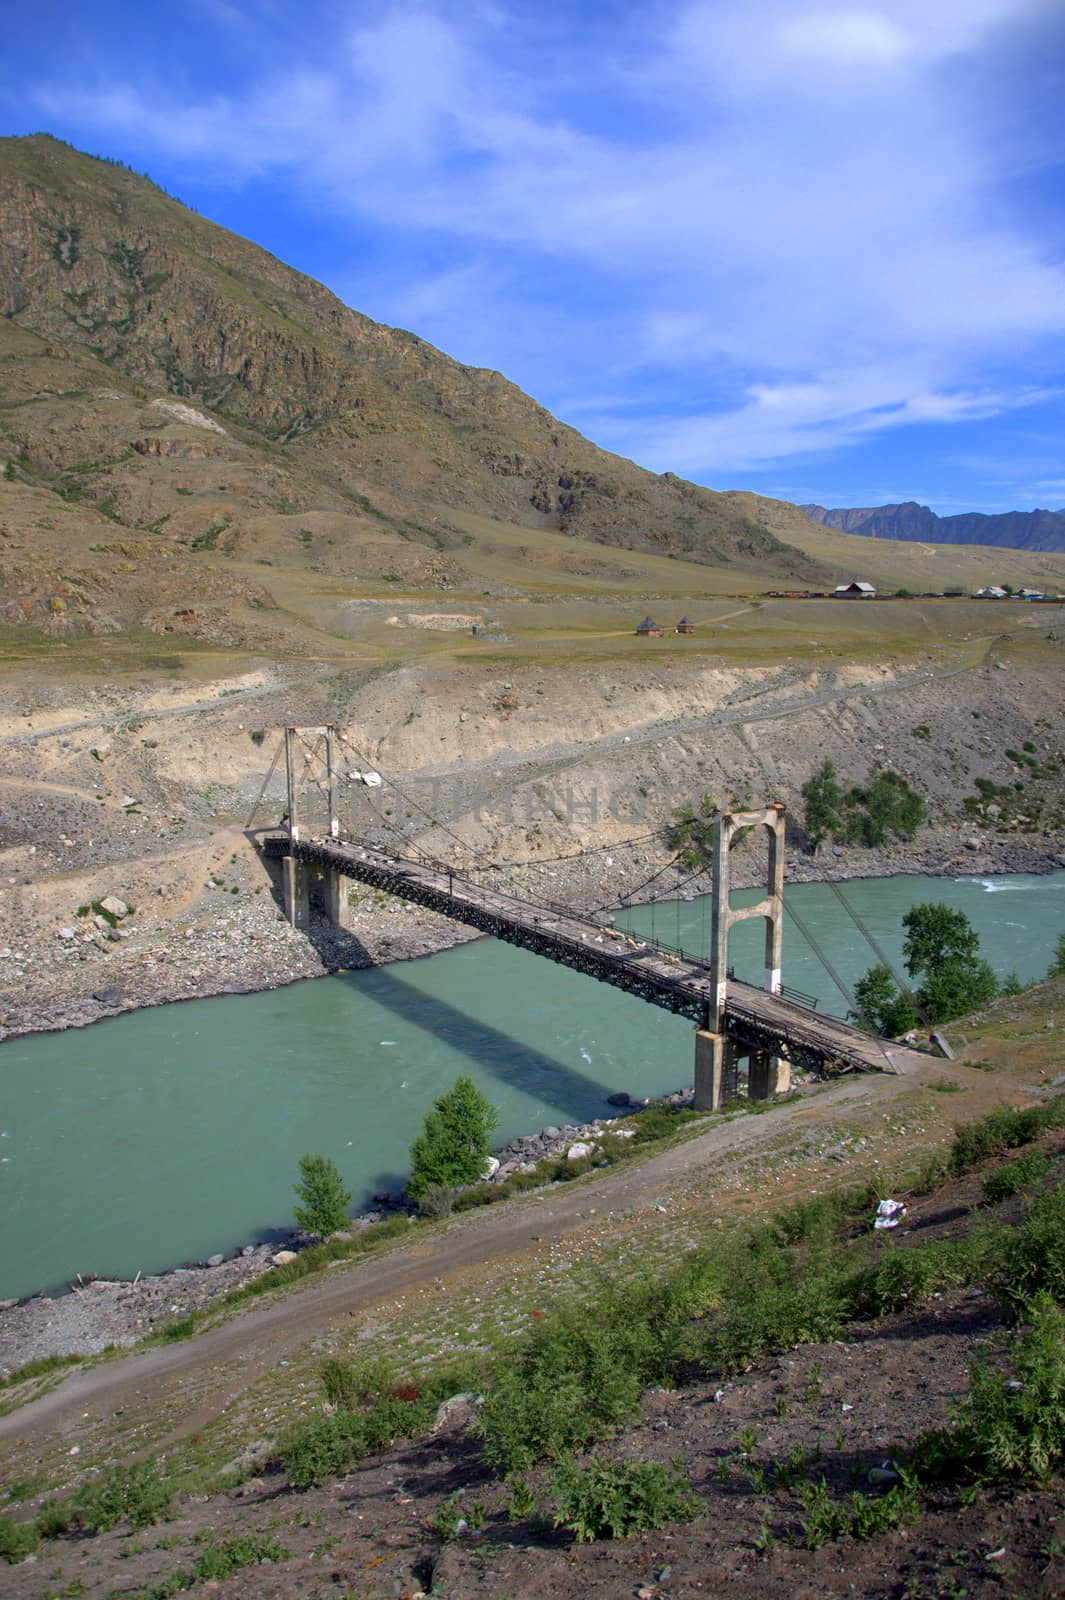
754	1020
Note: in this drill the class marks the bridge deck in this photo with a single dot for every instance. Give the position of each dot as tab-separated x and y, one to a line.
754	1018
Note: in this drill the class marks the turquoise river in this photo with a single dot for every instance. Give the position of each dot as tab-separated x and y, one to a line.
174	1132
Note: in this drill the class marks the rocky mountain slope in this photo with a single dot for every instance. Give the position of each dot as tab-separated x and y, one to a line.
171	388
1017	530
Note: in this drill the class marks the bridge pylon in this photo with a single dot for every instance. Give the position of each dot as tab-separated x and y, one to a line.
716	1055
310	757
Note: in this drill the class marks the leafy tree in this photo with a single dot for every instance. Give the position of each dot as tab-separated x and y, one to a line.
453	1146
1057	965
942	949
824	799
325	1200
884	805
880	1004
936	935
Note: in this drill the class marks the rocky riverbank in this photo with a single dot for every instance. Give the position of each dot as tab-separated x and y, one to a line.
246	946
238	942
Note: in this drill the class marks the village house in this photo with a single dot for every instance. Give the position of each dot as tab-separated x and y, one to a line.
855	590
684	626
648	629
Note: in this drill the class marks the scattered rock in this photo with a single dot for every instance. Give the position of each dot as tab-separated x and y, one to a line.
458	1411
281	1258
215	1261
114	907
621	1098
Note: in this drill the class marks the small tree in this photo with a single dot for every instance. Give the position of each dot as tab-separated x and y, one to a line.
453	1146
1057	965
880	1004
823	797
942	949
325	1199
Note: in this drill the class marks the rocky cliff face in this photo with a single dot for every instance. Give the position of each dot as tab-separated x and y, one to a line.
138	291
1016	530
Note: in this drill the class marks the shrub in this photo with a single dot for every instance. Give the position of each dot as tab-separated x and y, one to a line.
453	1148
1057	965
613	1499
1008	1426
1003	1129
135	1494
1014	1176
17	1540
1031	1254
325	1199
229	1555
437	1200
856	1517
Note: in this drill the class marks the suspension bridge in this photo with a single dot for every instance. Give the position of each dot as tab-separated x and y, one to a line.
775	1028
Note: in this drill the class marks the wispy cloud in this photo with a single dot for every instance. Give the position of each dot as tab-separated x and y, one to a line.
789	224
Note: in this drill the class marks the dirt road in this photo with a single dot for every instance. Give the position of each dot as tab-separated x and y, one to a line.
228	1358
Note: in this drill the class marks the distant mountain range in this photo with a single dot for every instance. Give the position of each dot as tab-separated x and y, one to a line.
1016	530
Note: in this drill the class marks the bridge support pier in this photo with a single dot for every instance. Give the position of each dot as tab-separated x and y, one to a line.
715	1070
767	1075
296	886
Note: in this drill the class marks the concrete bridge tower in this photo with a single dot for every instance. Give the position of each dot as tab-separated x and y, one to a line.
716	1055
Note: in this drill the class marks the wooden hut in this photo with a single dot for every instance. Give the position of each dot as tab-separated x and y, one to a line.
684	626
648	629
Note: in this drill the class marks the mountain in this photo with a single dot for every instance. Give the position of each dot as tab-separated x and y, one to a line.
172	391
1016	530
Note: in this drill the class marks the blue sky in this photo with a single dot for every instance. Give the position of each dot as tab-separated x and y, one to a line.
812	249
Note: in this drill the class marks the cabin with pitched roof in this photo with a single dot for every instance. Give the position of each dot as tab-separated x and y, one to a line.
648	629
684	626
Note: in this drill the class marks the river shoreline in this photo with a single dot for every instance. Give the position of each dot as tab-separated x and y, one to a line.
88	1316
250	949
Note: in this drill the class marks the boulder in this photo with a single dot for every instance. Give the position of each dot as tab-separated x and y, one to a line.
576	1151
622	1098
457	1411
215	1261
114	907
281	1258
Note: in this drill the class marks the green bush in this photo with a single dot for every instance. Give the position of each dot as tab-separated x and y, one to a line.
452	1148
1009	1180
136	1494
229	1555
857	1516
1057	965
613	1499
1030	1257
325	1200
774	1298
17	1540
1004	1128
1011	1424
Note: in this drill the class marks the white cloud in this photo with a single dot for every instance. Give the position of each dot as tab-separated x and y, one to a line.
783	213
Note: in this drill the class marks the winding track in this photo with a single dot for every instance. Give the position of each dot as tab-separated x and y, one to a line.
229	1358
